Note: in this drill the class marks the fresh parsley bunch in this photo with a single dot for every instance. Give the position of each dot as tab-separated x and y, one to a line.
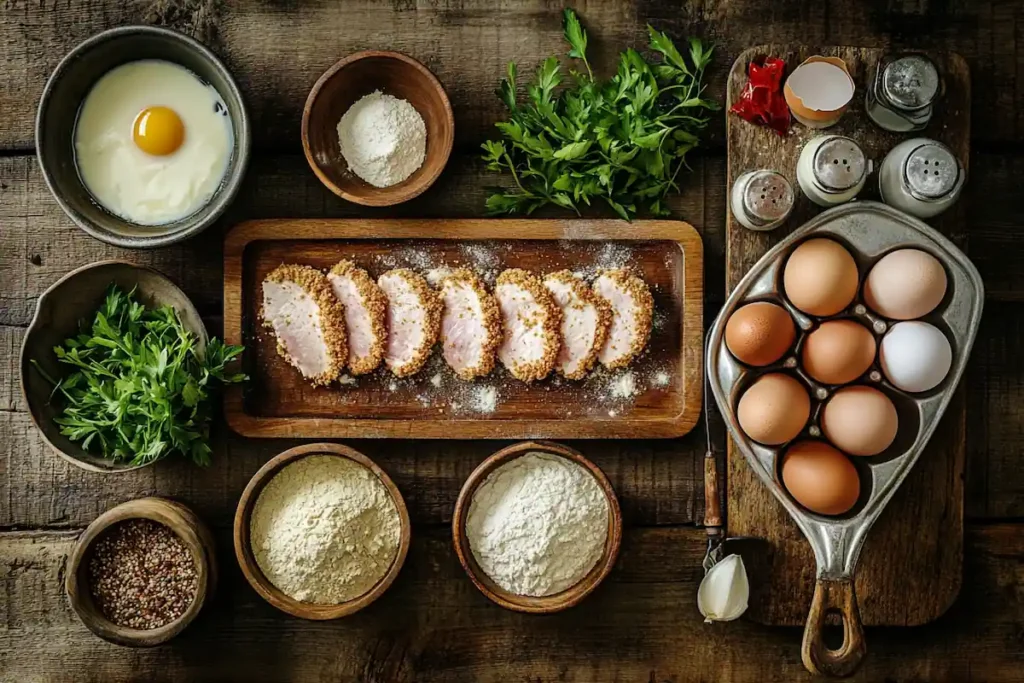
623	141
140	390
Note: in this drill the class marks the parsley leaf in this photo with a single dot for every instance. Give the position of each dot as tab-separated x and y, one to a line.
622	141
140	389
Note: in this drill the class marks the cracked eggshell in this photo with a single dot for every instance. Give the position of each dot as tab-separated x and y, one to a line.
819	91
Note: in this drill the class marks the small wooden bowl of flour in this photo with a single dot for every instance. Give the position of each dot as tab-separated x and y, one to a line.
537	527
400	162
321	531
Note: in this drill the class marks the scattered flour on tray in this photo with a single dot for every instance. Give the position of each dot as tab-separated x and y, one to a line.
602	393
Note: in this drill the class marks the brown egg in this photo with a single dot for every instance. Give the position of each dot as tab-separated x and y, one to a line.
905	285
860	420
759	333
774	409
820	478
820	277
838	352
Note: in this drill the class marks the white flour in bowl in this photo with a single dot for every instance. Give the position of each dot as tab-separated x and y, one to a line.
538	524
383	139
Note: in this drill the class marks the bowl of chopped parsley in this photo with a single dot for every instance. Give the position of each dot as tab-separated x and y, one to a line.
118	371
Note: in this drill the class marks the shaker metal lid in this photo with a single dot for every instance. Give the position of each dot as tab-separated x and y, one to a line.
767	197
839	164
931	170
910	82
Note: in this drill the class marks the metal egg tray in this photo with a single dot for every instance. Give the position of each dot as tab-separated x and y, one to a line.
869	230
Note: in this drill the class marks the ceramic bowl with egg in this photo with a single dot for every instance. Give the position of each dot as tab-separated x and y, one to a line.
142	136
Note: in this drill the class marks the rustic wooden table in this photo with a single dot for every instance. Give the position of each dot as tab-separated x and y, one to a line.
433	625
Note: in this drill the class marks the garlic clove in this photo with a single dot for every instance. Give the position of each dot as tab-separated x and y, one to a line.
724	591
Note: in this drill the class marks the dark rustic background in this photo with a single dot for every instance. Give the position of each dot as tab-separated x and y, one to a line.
433	625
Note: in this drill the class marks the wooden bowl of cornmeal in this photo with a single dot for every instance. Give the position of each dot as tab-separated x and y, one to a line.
317	602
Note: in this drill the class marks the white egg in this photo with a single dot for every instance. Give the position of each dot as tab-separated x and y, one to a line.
915	356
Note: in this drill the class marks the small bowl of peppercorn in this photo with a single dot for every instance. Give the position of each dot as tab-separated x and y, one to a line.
141	572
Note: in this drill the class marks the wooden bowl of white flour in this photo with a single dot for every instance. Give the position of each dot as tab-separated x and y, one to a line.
377	128
537	527
321	531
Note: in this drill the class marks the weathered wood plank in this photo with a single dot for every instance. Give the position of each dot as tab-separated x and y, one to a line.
39	244
468	43
432	625
995	429
995	224
658	482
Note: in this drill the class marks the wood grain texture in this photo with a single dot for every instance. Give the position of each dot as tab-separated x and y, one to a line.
468	43
39	244
546	604
898	582
278	402
641	624
833	598
657	481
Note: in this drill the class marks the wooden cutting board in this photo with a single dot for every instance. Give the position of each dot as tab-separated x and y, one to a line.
910	568
658	396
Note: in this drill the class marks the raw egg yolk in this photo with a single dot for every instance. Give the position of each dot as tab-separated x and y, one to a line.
158	131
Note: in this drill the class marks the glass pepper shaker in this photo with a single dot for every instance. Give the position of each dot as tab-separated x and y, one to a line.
832	169
761	200
921	177
902	96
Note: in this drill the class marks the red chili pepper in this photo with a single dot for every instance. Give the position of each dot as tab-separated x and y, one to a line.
762	101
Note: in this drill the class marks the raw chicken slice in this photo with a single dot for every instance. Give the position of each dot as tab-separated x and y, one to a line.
413	320
632	307
532	322
470	325
365	316
585	321
308	321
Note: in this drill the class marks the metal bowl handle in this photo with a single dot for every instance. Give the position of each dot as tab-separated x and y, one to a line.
834	595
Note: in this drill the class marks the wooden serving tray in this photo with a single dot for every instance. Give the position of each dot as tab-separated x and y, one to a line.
910	569
434	404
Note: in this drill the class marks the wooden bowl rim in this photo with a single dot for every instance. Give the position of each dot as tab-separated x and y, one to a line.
185	524
400	192
551	603
25	362
247	560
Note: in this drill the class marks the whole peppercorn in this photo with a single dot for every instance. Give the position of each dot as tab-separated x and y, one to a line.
142	575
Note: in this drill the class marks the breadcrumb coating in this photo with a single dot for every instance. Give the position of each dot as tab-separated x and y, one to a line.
550	322
332	317
491	315
604	320
644	306
376	305
431	303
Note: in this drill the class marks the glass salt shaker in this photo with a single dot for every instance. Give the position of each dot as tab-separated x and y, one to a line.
903	94
832	169
921	177
761	200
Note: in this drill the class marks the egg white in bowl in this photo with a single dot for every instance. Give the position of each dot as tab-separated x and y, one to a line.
152	142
